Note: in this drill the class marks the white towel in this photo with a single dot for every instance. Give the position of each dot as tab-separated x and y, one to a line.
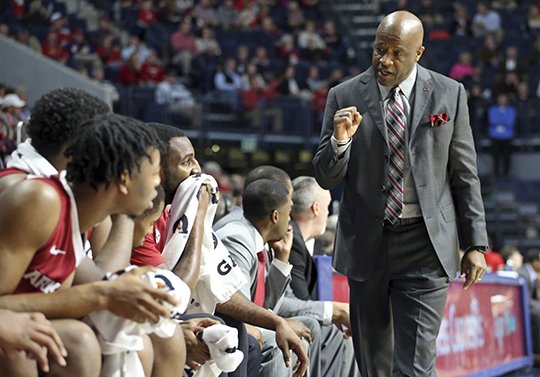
26	158
120	338
222	342
220	277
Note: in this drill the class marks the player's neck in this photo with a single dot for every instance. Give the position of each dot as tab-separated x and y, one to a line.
92	205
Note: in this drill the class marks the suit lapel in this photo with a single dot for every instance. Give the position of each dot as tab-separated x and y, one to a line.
369	86
423	90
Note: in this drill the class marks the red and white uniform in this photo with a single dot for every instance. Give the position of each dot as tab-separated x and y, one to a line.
149	254
56	261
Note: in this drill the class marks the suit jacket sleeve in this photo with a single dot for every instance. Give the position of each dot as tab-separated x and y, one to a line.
291	306
464	180
329	167
297	258
276	283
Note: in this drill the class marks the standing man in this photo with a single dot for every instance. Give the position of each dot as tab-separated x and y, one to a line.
409	167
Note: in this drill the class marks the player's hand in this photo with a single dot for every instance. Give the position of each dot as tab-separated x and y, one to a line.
282	248
287	340
299	328
196	350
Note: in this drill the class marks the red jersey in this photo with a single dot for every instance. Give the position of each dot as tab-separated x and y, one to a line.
149	254
56	261
9	171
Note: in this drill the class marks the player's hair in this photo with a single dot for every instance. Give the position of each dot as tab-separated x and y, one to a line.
165	133
107	146
57	117
268	172
263	196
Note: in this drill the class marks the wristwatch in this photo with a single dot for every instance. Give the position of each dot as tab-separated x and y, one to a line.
481	249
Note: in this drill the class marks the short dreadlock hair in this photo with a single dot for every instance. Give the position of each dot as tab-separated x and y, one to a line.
165	133
106	146
57	117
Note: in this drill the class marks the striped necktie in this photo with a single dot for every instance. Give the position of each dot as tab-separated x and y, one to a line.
396	121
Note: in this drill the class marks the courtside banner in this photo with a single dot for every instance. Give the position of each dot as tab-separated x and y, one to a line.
486	329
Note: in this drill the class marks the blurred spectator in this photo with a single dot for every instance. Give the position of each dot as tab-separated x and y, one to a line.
504	4
37	13
103	30
227	14
146	17
59	26
461	25
513	259
512	63
206	41
529	271
152	71
486	21
109	51
4	30
24	37
508	84
502	119
269	27
429	13
229	83
478	109
289	86
178	99
463	68
130	73
242	59
205	13
490	53
81	54
258	108
10	110
183	46
52	48
135	44
247	16
295	16
227	78
324	244
534	57
336	77
313	81
311	43
261	59
494	260
287	51
526	109
251	74
533	17
318	104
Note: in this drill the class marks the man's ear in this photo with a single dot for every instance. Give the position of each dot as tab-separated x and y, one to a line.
124	183
274	217
315	208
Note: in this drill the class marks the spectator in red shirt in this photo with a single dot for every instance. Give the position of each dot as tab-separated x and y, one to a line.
130	73
52	48
152	71
183	46
109	51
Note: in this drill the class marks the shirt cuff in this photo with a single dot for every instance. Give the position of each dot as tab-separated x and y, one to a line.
285	268
328	312
340	146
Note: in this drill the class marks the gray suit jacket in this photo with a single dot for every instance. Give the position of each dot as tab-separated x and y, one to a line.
238	236
443	167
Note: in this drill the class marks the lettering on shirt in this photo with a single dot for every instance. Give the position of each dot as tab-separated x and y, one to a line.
41	282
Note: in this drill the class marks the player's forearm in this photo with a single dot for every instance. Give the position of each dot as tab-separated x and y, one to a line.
241	309
74	302
116	251
189	266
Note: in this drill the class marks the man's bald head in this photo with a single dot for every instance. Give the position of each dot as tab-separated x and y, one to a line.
398	46
405	24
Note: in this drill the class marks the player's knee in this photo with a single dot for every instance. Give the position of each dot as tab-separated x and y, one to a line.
84	353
